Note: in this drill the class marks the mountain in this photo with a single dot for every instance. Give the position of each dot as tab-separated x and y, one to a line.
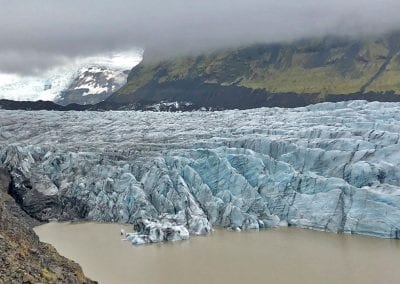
98	77
87	80
92	85
287	74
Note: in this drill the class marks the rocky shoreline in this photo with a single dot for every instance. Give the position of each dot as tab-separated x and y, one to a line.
24	258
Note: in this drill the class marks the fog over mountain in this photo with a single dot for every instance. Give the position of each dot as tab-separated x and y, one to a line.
36	35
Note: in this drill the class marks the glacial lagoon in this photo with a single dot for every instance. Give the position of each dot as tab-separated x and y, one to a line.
284	255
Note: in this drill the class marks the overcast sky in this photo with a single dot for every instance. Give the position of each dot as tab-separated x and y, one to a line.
37	34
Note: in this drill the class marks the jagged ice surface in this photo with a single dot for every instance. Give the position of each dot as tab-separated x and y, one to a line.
331	167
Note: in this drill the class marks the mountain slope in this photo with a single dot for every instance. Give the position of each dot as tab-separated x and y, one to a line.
92	85
293	74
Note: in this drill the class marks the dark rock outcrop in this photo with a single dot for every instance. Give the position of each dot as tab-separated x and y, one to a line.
23	258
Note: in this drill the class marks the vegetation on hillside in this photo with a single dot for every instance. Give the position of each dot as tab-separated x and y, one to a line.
320	66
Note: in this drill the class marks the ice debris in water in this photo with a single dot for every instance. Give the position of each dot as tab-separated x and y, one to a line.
155	231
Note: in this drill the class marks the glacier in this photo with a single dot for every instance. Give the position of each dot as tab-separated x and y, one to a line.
331	167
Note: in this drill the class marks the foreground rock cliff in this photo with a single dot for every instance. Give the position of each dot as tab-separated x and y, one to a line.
331	167
23	258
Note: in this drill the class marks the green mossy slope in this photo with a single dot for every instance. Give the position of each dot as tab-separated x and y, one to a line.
328	66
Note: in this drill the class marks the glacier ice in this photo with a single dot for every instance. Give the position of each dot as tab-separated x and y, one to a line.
155	231
330	166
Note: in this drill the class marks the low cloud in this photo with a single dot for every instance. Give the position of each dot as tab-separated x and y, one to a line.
38	34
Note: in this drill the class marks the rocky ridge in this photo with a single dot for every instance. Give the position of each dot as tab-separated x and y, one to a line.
23	258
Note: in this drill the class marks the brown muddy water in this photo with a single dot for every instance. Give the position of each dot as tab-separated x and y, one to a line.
285	255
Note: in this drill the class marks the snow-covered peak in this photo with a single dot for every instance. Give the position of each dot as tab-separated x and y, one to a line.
116	60
50	85
93	85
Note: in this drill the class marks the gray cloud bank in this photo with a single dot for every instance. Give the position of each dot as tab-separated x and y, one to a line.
37	34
